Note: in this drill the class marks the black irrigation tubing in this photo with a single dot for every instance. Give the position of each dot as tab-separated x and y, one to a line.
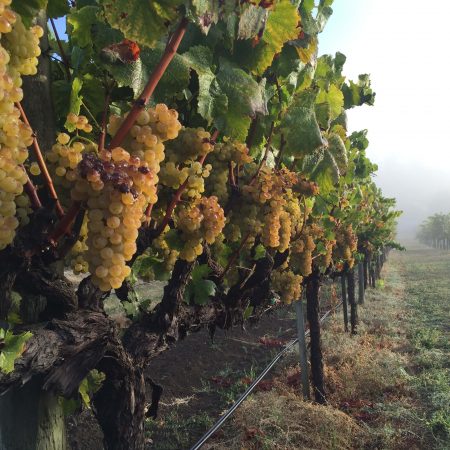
250	389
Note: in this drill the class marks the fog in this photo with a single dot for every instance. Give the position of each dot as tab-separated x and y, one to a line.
404	47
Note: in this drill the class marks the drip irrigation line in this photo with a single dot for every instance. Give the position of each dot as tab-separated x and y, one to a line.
250	389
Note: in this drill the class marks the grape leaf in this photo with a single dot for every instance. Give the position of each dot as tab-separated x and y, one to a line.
57	8
245	98
207	13
90	385
211	100
337	148
251	21
281	27
300	127
142	21
326	173
13	347
357	94
61	90
137	73
76	100
28	9
82	20
199	290
308	5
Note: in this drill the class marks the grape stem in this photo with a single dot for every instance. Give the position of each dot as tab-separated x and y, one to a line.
234	256
280	153
31	191
139	104
101	142
74	234
61	49
43	166
266	154
64	224
148	214
231	177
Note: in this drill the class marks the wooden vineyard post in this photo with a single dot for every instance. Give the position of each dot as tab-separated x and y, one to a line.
351	299
344	301
366	272
361	283
303	359
316	357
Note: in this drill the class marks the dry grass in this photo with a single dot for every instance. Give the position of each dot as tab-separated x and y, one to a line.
281	421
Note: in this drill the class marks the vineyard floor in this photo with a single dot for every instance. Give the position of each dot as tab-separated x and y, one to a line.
388	387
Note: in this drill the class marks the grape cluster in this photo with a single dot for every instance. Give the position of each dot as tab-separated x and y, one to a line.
23	209
173	176
21	43
64	158
287	285
164	251
346	244
201	221
79	122
191	144
306	187
324	260
115	187
18	50
146	138
77	254
225	155
301	256
278	207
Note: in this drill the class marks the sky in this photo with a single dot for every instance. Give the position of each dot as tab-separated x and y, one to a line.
404	46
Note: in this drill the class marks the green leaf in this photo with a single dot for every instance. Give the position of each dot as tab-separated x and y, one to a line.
327	173
61	90
174	240
57	8
251	21
90	385
308	5
207	13
136	74
13	347
28	9
142	21
334	98
245	98
337	148
76	100
199	272
199	290
360	93
211	100
93	94
260	252
281	27
300	127
82	21
248	312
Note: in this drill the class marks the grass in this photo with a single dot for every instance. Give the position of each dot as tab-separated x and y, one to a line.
175	432
388	387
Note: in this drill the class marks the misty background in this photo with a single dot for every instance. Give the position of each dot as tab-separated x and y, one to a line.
404	46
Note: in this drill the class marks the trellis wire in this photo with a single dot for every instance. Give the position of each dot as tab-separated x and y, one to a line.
250	389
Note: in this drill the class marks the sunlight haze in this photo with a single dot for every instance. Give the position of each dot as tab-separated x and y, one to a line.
404	47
